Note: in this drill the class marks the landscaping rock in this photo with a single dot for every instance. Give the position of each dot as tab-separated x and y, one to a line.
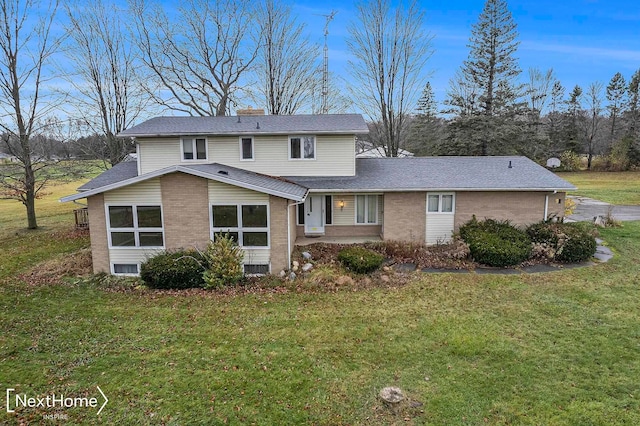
386	268
306	255
384	278
391	395
292	276
307	267
295	267
283	274
295	263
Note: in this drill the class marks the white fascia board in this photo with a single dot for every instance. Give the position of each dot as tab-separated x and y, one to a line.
379	190
182	169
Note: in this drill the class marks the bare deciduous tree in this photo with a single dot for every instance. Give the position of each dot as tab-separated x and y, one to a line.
109	95
199	57
287	62
391	49
26	46
594	108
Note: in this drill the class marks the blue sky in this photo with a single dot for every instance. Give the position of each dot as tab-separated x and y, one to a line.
582	40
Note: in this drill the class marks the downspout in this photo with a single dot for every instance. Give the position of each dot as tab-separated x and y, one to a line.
546	207
289	230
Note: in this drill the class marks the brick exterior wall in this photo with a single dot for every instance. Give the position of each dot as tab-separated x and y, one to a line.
185	205
98	233
279	244
405	216
521	208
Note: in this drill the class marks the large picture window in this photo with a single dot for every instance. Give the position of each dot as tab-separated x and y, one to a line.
194	149
247	224
135	226
366	209
302	147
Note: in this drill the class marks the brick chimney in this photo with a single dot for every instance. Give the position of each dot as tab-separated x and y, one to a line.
250	111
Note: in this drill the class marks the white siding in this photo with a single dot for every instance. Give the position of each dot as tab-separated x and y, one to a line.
335	155
347	215
223	193
439	228
146	192
257	256
129	255
158	153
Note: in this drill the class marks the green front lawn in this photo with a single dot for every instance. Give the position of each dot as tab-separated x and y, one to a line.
621	188
558	348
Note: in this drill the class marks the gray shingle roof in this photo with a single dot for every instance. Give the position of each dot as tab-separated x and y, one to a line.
124	174
249	124
119	172
247	179
441	173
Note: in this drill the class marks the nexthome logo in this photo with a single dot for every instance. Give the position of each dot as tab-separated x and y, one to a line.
53	401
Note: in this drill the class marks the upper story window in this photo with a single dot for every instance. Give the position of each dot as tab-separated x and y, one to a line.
246	148
302	147
194	149
135	226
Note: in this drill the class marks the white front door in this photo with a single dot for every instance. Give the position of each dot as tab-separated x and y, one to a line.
313	223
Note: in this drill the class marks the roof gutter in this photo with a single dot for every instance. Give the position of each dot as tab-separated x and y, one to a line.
378	190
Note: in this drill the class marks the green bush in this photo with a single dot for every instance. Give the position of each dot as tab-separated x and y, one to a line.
360	260
225	262
572	242
496	243
174	270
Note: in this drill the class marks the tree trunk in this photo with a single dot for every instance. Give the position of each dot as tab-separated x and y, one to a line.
30	195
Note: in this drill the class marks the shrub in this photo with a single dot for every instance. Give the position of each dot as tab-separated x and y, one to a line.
225	262
570	161
174	270
569	242
496	243
360	260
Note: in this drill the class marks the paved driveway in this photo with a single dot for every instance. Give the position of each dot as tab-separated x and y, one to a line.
588	208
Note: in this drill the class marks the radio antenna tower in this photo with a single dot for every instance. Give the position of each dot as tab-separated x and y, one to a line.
325	64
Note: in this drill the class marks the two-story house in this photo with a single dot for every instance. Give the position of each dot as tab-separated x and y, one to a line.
268	180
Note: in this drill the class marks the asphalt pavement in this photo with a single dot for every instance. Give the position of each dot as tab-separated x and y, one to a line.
588	208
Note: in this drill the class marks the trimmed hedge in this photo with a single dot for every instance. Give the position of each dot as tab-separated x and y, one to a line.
496	243
360	260
174	270
571	242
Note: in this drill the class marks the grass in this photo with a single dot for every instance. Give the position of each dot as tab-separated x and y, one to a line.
621	188
558	348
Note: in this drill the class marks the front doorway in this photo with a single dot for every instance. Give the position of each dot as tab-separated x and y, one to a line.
313	215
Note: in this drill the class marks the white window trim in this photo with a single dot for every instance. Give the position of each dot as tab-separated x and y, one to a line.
193	138
366	209
253	148
113	272
136	230
315	148
240	229
440	194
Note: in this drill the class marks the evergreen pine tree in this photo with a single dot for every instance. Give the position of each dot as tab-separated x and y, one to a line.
488	76
616	91
574	117
425	128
